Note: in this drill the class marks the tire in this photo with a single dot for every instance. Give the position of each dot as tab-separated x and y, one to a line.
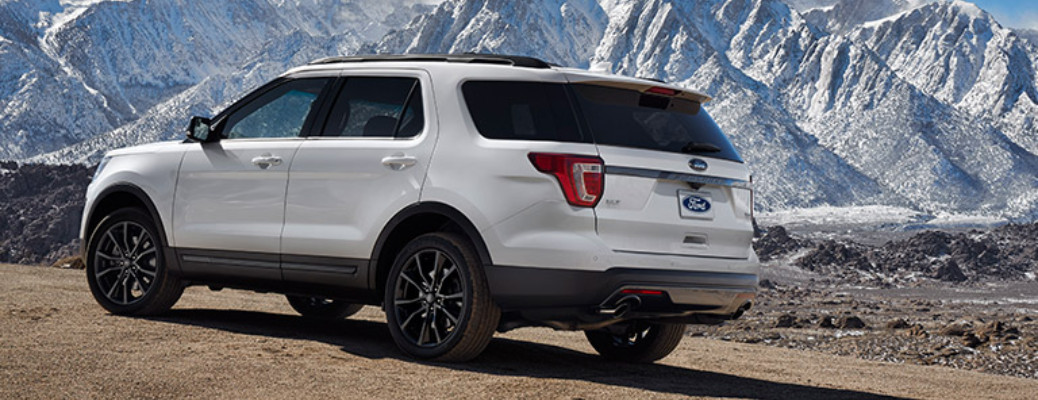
126	265
322	308
445	313
640	342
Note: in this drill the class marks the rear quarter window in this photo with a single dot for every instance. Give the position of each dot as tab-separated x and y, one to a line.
522	111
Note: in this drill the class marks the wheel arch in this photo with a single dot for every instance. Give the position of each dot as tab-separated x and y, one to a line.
117	196
413	221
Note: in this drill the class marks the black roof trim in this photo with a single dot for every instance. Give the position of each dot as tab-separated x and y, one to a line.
469	58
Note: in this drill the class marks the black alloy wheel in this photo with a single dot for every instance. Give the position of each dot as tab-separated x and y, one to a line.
126	268
438	303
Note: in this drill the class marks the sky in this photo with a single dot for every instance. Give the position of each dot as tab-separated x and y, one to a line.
1012	13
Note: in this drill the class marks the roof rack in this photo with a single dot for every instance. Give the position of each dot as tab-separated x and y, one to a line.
468	58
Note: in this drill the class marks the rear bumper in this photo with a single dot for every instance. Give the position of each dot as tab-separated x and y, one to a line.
561	294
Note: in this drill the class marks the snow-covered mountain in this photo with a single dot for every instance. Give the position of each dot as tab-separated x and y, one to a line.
1029	34
927	105
845	15
71	70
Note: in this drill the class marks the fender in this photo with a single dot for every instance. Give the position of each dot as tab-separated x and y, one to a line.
441	209
142	197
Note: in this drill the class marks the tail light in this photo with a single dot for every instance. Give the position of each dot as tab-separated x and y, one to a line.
579	176
750	197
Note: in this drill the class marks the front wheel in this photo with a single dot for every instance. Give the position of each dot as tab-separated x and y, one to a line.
322	308
637	341
126	265
438	303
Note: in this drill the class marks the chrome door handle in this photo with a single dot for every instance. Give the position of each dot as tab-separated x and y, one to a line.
399	161
266	160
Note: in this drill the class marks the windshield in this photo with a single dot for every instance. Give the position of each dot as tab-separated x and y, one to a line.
628	118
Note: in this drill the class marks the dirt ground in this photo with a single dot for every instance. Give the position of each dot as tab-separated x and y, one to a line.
55	342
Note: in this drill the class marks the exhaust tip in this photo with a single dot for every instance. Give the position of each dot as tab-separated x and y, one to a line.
623	306
742	309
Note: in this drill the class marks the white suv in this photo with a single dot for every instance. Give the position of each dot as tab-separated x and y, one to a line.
462	193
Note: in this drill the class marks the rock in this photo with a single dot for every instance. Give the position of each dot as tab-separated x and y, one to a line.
826	322
971	340
766	284
831	256
785	321
70	262
917	330
899	323
954	330
850	323
950	272
948	352
991	329
775	242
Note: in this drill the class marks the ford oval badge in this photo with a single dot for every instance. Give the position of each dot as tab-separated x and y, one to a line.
697	164
696	204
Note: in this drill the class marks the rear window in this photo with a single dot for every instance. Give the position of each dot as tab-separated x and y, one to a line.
522	111
614	117
377	107
628	118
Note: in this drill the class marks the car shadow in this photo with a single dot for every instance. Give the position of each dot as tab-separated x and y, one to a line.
507	357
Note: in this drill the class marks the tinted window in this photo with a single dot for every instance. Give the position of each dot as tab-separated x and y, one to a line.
628	118
280	112
522	111
377	107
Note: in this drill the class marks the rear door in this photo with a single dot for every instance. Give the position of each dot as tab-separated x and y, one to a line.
674	184
369	163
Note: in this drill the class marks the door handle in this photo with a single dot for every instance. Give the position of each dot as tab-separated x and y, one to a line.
399	161
266	160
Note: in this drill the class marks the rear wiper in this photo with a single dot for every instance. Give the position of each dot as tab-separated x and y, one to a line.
700	147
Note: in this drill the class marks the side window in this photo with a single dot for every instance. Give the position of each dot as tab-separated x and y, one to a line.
522	111
377	107
278	113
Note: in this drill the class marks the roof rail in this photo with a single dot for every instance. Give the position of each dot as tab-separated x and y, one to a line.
468	58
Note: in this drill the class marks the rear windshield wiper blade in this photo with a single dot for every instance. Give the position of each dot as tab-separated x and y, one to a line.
700	147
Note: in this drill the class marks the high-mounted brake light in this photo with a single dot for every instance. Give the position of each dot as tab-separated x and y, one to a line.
662	90
579	176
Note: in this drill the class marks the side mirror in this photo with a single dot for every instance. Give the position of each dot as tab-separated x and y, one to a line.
199	129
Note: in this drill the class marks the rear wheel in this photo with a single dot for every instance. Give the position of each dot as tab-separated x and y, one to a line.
438	303
637	341
126	265
322	308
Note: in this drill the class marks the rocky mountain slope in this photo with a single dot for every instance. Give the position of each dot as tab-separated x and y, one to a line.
41	211
1006	253
829	107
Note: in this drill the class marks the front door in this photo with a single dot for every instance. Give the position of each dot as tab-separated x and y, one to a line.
230	198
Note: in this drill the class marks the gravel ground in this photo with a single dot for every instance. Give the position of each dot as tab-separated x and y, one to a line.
56	342
993	329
